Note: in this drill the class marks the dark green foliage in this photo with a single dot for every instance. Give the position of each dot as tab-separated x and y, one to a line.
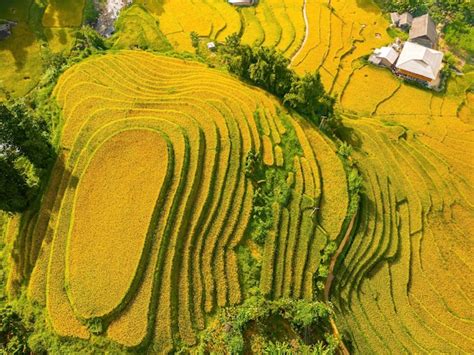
22	135
88	41
270	186
269	69
460	35
355	187
250	270
354	179
24	140
307	96
91	14
284	348
302	316
305	314
194	39
15	194
13	333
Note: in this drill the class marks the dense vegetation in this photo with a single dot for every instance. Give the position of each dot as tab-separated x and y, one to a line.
269	69
26	154
456	17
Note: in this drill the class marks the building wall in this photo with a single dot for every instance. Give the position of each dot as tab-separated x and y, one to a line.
415	76
424	41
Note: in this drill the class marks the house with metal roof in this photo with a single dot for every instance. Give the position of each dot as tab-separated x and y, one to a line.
241	2
420	63
423	31
5	30
385	56
403	21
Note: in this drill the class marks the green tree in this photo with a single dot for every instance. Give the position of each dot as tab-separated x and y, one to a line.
15	194
194	39
269	69
23	135
23	140
13	333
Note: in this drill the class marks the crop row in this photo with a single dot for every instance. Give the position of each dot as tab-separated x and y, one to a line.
173	256
393	289
181	260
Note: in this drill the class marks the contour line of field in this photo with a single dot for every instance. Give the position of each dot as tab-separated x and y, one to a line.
330	278
306	34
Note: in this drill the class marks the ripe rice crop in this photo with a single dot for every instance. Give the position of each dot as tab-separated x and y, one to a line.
116	183
173	255
408	238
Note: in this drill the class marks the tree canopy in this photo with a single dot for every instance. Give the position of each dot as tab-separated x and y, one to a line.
269	69
25	149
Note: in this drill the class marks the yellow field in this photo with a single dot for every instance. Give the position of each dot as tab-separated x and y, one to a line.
155	266
150	266
418	206
63	13
272	23
21	54
123	178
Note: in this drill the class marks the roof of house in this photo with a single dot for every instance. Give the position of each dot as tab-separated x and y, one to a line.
405	19
387	53
423	26
420	60
395	17
241	2
5	31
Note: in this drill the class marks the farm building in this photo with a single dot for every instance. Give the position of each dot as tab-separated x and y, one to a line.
5	30
423	31
403	21
385	56
241	2
211	46
420	63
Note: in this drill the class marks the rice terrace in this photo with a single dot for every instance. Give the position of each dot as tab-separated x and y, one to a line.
236	176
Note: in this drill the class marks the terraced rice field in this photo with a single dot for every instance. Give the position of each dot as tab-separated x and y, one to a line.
403	285
271	23
149	200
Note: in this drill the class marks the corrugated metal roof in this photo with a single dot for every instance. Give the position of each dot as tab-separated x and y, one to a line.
406	19
387	53
420	60
423	26
241	2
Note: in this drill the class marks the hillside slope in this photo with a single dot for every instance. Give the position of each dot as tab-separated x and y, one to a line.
169	140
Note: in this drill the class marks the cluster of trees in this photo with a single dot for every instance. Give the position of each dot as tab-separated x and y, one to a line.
457	16
302	316
269	69
26	154
13	332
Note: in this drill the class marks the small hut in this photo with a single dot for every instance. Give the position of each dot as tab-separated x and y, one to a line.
211	46
402	21
5	30
241	2
385	56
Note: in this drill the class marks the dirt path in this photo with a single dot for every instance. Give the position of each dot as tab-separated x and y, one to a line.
306	25
329	280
